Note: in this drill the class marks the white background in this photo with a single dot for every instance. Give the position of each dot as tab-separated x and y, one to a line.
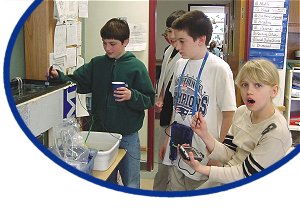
30	180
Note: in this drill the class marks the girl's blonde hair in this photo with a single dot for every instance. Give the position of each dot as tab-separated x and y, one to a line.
260	71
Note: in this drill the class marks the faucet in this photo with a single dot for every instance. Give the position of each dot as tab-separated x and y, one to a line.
20	83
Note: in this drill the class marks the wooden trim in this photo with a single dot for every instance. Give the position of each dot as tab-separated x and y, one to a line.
249	5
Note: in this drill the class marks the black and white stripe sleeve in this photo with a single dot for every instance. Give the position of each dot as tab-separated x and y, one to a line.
223	152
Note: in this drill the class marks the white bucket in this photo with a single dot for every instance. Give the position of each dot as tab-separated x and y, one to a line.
107	145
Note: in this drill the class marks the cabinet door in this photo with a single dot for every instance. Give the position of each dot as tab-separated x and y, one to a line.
294	29
38	34
294	16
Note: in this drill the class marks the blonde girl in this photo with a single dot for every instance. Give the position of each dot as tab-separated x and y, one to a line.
259	134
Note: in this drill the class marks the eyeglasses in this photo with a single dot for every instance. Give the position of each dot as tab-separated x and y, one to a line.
165	34
167	30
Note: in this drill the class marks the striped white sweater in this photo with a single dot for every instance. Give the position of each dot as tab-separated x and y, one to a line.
249	148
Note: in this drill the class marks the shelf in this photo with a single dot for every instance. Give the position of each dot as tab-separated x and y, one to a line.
294	127
293	64
295	99
292	103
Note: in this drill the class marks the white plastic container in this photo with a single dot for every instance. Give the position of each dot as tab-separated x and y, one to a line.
107	145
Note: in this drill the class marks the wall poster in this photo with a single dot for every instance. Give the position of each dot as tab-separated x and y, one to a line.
269	30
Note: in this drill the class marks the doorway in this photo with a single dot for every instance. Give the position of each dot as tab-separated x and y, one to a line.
218	18
233	43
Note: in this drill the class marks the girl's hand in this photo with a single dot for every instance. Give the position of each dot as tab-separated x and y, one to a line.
194	164
199	125
197	166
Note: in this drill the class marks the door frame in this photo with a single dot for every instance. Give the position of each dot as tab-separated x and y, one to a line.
152	71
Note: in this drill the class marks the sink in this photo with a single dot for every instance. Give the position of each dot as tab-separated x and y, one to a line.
33	101
27	89
33	88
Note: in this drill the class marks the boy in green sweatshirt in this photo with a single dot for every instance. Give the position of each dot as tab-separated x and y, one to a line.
124	114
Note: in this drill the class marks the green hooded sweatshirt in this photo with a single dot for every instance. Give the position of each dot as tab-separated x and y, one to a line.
109	115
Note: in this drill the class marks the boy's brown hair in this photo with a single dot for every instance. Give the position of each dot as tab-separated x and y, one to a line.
196	24
173	16
115	28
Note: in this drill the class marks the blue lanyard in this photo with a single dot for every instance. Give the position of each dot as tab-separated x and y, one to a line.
197	83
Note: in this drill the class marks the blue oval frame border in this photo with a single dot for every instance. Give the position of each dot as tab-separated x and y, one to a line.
92	179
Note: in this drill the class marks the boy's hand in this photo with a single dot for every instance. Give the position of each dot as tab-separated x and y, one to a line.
162	151
53	74
163	146
158	106
122	94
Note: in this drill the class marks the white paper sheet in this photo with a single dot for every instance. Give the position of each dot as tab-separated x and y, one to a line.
65	10
58	63
78	50
72	33
60	41
138	37
71	57
60	10
80	61
83	9
71	70
72	10
81	110
79	28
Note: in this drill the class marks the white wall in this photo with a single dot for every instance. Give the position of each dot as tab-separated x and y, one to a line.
17	63
99	13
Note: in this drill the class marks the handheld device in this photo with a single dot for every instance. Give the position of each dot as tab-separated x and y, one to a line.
180	134
184	152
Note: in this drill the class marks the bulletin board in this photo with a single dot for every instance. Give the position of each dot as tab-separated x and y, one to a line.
268	30
66	54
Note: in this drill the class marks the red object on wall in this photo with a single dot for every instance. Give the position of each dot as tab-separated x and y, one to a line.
295	121
152	71
295	118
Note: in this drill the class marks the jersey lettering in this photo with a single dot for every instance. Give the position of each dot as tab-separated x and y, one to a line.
184	103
